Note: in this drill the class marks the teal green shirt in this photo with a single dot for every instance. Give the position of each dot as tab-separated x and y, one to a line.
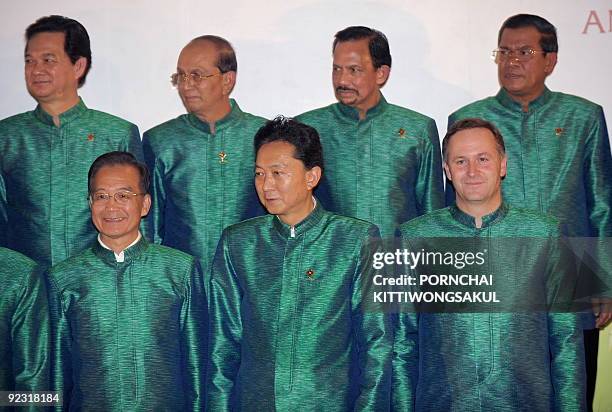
559	158
521	361
24	325
44	212
202	182
287	327
385	169
129	336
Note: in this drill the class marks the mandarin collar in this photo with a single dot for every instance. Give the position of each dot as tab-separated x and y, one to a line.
309	221
504	98
66	117
220	124
353	113
487	220
131	253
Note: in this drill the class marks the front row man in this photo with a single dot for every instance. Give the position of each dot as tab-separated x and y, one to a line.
130	316
510	361
287	320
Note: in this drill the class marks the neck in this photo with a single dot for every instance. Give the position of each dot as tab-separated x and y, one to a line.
478	210
120	244
215	115
55	108
364	110
295	218
525	100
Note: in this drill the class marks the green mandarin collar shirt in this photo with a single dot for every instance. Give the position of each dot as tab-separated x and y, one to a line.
385	169
523	361
287	327
44	212
201	182
24	325
129	335
559	159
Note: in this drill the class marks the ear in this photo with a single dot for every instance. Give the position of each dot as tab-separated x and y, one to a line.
447	171
382	75
313	176
551	62
79	67
504	166
146	205
229	81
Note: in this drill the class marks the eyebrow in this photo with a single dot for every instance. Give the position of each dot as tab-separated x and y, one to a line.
276	165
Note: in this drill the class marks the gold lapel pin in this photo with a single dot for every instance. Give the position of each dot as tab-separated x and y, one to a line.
559	131
310	274
401	132
222	156
90	137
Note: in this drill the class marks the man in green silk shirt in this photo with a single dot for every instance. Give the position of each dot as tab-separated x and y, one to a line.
383	161
46	152
24	325
129	317
202	161
513	361
559	157
288	330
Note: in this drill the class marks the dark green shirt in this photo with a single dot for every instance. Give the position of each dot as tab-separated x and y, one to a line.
385	169
129	336
513	361
202	182
24	325
559	158
288	330
44	212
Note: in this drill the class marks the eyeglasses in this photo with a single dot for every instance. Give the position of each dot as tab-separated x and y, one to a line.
522	55
122	197
196	78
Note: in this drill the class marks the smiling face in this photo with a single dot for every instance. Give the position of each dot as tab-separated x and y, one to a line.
209	100
118	222
475	167
524	81
356	81
50	76
283	184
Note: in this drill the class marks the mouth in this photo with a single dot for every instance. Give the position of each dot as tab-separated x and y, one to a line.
113	219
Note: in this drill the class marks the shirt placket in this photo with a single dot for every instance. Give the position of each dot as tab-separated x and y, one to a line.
57	197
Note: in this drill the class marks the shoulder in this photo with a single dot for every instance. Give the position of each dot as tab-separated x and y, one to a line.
533	220
475	108
170	255
575	102
317	114
169	128
69	269
17	119
109	120
248	227
421	223
351	226
411	115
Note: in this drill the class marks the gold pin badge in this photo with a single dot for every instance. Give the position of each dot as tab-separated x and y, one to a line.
310	274
90	137
222	156
559	131
401	132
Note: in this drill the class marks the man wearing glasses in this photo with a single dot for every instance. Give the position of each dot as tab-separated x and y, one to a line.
46	152
129	317
202	161
558	149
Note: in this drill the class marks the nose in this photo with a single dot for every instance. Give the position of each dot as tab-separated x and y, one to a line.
472	168
341	77
268	182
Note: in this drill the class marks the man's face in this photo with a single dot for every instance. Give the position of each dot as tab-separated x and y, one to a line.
118	221
524	81
283	184
50	75
356	82
475	167
203	99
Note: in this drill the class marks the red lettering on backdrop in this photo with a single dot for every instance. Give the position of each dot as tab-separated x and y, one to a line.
593	20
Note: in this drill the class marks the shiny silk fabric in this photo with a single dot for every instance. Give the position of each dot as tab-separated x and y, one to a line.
528	361
385	169
129	336
44	212
24	325
559	158
202	182
287	327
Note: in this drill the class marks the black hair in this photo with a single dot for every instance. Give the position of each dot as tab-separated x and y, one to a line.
378	43
226	61
120	159
548	33
473	123
304	139
76	43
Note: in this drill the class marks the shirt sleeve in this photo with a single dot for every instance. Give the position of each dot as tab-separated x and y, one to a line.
194	327
225	330
429	188
154	222
373	333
